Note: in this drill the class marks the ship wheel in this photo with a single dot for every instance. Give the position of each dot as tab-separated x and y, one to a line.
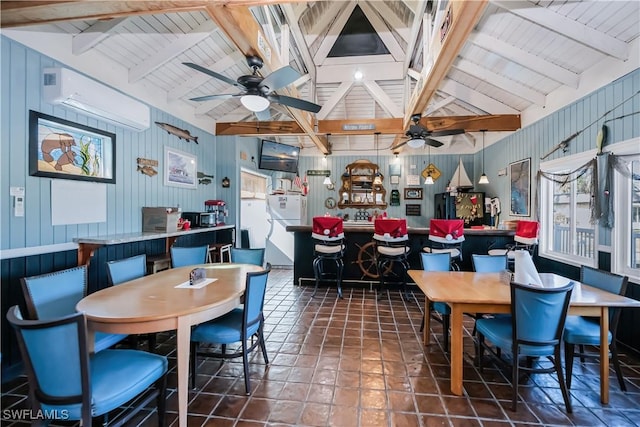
368	262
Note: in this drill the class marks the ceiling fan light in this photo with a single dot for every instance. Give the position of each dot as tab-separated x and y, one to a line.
416	142
484	179
254	103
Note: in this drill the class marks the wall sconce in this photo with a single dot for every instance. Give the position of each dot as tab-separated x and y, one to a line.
226	183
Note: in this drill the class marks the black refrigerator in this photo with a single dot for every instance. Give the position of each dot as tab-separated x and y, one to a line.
466	206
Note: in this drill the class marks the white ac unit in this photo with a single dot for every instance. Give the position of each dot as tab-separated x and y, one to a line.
62	86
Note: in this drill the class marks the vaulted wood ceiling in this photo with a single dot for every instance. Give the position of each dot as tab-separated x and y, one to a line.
498	64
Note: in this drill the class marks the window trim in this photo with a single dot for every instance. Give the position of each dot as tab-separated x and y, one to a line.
546	210
620	236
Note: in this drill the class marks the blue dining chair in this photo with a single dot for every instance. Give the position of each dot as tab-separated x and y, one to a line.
585	331
56	294
534	329
65	379
184	256
489	263
253	256
239	325
438	261
123	270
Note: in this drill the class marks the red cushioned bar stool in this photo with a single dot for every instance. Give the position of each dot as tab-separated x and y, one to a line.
525	239
329	245
446	236
390	236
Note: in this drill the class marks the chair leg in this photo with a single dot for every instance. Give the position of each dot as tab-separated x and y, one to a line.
616	365
563	387
406	268
514	382
263	346
381	265
340	267
422	324
569	350
480	351
151	342
316	272
245	362
193	357
161	384
581	351
445	331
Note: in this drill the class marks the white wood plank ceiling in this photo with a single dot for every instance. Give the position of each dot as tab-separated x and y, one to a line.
522	57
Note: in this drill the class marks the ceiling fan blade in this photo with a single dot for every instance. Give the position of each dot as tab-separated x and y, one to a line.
447	132
212	73
278	79
433	143
263	115
300	104
218	96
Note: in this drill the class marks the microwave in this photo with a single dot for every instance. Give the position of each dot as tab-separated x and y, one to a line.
200	219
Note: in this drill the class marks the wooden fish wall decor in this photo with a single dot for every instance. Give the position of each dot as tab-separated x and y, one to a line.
180	133
204	178
146	166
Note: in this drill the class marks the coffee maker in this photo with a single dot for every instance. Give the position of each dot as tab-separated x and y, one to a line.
218	208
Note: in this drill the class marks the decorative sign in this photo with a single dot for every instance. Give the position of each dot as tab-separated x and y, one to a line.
413	179
395	170
359	126
435	172
147	166
412	210
318	172
395	198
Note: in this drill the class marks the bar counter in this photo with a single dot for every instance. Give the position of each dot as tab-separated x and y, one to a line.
359	264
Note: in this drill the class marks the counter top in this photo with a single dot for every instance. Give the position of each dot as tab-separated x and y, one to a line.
114	239
367	227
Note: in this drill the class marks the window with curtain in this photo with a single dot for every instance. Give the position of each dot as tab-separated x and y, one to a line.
626	230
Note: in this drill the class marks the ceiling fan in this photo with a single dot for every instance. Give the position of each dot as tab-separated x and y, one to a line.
419	135
257	92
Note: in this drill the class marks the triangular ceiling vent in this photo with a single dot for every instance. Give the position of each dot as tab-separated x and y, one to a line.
358	38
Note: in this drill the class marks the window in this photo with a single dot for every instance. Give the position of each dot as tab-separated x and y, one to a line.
567	234
625	257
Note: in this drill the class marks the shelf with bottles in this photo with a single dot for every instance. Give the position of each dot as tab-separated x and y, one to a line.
359	189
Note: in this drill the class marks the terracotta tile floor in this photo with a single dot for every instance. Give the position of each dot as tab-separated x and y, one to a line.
360	362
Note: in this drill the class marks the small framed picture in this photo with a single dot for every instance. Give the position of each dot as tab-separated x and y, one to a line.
413	193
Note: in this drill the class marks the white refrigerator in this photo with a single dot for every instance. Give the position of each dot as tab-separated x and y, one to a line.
283	210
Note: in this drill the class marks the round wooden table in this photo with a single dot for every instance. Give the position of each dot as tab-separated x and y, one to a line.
154	304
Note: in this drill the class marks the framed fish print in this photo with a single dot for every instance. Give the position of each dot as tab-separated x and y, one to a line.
62	149
520	180
180	169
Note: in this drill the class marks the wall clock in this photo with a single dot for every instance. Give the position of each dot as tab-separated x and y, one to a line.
330	203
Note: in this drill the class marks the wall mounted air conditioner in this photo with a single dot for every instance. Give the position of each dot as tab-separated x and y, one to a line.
62	86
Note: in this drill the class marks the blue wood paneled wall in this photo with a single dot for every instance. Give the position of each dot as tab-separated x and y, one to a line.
21	70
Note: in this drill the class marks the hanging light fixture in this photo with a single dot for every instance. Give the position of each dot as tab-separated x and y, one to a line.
484	179
377	180
327	179
429	179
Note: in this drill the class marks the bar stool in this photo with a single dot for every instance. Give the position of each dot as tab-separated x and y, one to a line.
526	239
217	251
447	236
390	237
328	236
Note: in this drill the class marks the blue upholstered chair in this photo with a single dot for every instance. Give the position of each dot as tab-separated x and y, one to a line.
123	270
534	329
247	256
65	379
440	261
489	263
581	331
56	294
184	256
240	325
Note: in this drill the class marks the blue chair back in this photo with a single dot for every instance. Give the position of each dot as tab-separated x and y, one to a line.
181	257
606	281
538	316
247	256
435	261
123	270
489	263
54	294
256	288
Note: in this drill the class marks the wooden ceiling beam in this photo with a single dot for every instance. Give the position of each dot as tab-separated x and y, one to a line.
242	30
494	123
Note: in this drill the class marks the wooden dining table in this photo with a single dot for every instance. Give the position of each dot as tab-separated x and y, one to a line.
154	303
469	292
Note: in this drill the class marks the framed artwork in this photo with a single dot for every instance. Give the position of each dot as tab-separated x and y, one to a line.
520	180
59	148
413	193
180	169
412	210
